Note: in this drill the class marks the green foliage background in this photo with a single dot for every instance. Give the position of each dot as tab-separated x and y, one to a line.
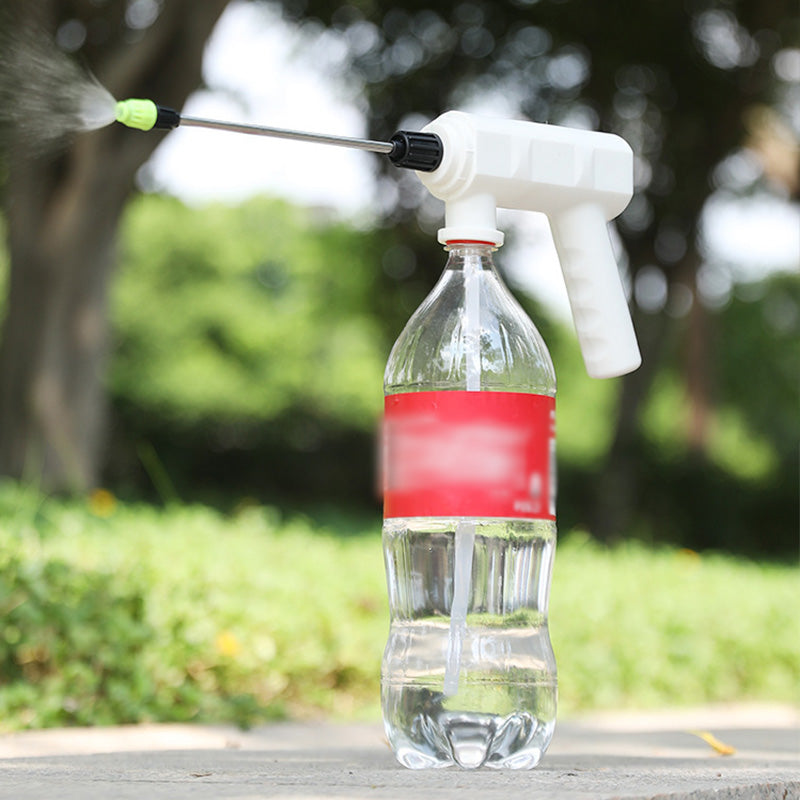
248	357
115	612
249	345
249	350
247	367
243	315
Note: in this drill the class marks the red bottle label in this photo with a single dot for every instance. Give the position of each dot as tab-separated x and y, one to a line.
469	454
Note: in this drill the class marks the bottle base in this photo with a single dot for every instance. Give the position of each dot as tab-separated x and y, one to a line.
471	740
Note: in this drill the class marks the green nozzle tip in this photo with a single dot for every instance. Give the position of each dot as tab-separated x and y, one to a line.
140	114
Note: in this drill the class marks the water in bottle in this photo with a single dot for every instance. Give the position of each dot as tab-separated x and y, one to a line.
468	675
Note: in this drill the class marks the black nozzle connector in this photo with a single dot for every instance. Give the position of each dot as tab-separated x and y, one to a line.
168	118
420	151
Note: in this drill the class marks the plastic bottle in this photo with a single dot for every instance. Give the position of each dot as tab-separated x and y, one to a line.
469	675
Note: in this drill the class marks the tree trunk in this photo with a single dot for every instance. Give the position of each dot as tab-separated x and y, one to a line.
699	377
616	487
616	500
63	214
52	410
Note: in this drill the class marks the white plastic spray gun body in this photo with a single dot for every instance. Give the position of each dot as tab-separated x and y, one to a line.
579	179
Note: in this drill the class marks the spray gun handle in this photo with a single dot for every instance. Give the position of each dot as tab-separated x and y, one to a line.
580	179
601	316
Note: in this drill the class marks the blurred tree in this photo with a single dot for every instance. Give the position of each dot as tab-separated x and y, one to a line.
268	381
63	208
687	83
679	80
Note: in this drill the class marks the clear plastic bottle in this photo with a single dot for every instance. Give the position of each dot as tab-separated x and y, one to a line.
469	675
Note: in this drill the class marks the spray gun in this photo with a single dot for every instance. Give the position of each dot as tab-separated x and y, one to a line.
580	179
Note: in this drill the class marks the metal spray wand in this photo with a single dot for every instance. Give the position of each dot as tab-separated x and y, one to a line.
412	150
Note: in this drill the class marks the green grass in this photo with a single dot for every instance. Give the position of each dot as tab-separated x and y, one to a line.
121	613
638	627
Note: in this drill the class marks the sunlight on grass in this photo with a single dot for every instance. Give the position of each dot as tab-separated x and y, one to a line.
189	614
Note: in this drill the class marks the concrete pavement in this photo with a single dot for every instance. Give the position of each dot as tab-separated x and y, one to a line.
593	758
